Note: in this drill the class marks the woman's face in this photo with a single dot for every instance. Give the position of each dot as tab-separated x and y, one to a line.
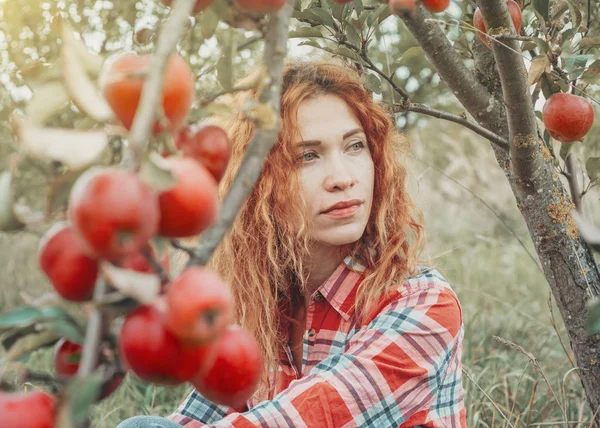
334	165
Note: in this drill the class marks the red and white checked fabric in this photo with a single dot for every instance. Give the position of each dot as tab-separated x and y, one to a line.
401	369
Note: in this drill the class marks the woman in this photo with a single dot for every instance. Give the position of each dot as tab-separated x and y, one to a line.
322	261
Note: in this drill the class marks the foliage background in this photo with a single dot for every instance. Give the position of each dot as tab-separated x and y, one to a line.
476	235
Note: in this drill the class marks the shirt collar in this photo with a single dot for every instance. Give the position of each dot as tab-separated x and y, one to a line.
341	286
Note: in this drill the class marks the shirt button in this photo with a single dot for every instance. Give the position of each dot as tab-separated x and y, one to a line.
311	332
319	297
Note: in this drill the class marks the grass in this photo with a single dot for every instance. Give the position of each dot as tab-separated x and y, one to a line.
516	372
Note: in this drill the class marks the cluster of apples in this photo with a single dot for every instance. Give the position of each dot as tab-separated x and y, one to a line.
186	333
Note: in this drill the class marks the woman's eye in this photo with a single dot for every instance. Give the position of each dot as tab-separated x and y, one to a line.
306	156
358	144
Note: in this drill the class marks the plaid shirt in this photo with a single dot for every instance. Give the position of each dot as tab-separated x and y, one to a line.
403	368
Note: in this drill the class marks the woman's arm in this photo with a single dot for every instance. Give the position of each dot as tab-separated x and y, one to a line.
402	369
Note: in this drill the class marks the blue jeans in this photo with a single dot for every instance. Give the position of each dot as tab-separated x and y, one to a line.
148	422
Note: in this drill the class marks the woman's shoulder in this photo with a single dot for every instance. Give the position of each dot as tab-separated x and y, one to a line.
425	278
427	292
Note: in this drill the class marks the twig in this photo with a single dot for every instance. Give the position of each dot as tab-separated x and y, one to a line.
573	184
93	334
210	98
513	37
169	35
478	129
155	265
178	245
262	141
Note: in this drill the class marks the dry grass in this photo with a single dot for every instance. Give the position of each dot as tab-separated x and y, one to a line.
516	372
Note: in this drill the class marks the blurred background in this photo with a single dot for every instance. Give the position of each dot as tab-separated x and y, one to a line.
518	368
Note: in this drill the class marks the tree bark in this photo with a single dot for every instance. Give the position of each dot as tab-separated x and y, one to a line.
566	259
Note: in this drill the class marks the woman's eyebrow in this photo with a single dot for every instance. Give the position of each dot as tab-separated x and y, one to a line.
310	143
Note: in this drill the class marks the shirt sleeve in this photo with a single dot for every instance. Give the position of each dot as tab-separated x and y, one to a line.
402	369
196	410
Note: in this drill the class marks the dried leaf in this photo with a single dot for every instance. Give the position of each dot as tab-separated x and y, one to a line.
143	287
47	99
592	74
76	149
8	220
156	173
539	66
79	85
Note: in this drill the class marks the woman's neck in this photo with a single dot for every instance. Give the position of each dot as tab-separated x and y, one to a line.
323	264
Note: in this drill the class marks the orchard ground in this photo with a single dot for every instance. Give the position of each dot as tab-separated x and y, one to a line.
501	290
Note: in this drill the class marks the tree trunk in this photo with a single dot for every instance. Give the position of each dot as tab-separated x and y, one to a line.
566	259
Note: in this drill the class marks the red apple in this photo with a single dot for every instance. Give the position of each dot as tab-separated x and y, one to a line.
435	6
27	410
568	117
67	356
66	263
207	144
192	204
122	79
233	376
199	306
153	353
114	212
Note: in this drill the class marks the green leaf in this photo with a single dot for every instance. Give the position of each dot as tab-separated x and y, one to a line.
592	166
376	13
81	393
305	32
373	82
28	315
353	35
359	22
337	9
358	6
593	318
306	14
412	52
542	7
323	16
65	329
575	64
225	63
208	20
